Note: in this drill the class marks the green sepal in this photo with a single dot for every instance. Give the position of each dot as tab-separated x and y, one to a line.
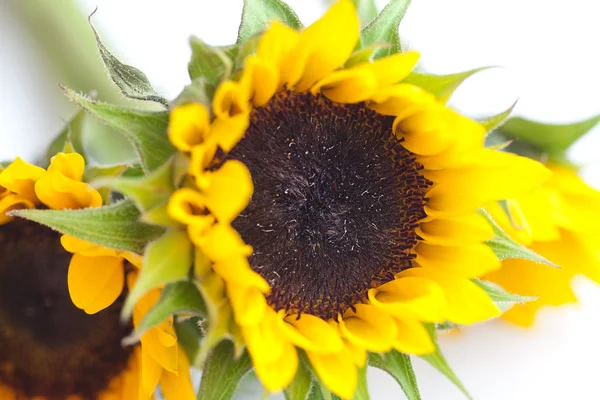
146	191
97	172
362	387
399	366
175	299
438	361
167	259
115	226
258	14
199	91
145	130
301	385
70	136
505	247
188	336
384	28
441	86
553	139
247	48
365	54
366	10
159	215
495	121
132	82
208	62
223	372
501	297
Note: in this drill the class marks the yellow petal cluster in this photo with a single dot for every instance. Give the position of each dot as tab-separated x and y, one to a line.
465	177
560	221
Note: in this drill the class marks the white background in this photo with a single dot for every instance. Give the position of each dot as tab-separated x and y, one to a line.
548	54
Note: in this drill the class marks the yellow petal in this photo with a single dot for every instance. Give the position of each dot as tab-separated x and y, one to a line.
227	132
467	302
400	99
413	338
347	86
263	79
265	340
312	334
189	125
222	242
71	165
369	327
201	156
60	192
337	371
9	202
465	229
237	270
394	68
151	372
227	191
178	386
20	178
95	282
248	303
276	43
410	297
278	374
469	261
322	47
188	206
230	99
427	130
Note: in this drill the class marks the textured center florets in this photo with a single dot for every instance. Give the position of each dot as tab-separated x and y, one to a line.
335	204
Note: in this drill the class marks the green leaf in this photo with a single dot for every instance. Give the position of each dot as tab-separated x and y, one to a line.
146	191
365	54
302	384
497	120
146	130
176	298
366	10
70	134
362	390
384	28
96	172
553	139
505	247
167	259
245	49
258	14
500	297
222	373
210	63
438	361
399	366
132	82
115	226
441	86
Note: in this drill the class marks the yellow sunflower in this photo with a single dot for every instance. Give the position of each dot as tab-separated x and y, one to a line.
48	347
338	206
560	221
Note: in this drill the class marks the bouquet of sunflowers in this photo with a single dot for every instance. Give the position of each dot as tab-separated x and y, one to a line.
307	207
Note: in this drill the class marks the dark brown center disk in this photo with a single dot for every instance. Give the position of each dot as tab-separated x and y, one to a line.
48	347
335	205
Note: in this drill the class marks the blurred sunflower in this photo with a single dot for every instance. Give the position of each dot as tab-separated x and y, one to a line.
559	221
48	347
338	206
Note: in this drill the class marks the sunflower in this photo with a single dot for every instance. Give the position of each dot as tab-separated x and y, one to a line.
560	222
338	205
48	347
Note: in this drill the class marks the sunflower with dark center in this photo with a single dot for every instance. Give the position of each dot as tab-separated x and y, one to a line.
338	206
49	347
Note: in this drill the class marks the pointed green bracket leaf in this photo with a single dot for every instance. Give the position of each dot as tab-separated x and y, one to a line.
362	389
146	130
199	91
132	82
500	297
258	14
115	226
441	86
399	366
553	139
438	361
146	191
188	336
505	247
366	54
176	298
70	134
384	28
210	63
222	373
366	10
495	121
96	172
168	259
302	384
